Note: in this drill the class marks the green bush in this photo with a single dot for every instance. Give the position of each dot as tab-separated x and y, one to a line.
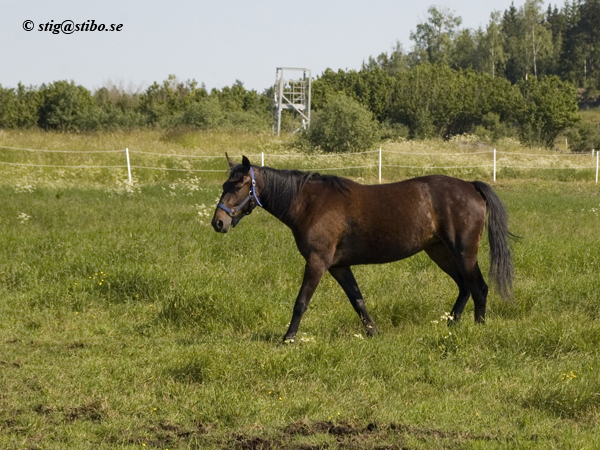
119	109
549	108
206	113
492	129
66	106
19	107
246	120
583	137
394	131
343	125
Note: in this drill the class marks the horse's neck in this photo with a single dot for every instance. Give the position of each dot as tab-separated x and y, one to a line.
277	197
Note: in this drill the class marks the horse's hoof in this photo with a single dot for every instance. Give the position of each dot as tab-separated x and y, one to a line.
288	341
371	330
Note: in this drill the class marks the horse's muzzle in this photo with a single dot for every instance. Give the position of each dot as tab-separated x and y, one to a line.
220	226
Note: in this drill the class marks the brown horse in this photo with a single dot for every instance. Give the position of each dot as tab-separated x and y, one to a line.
338	223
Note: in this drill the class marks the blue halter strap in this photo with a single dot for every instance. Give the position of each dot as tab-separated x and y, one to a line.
252	197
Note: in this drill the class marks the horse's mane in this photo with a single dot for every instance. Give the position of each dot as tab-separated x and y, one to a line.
282	186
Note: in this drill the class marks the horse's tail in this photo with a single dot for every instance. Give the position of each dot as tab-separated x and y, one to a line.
501	268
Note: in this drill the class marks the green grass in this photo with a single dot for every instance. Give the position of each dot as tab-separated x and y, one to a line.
127	322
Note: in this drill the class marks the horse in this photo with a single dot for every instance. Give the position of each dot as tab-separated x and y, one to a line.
338	223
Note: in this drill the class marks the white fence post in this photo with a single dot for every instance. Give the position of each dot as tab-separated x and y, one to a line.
380	164
597	155
262	159
494	165
128	165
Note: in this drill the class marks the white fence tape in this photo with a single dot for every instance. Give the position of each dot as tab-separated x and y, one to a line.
379	163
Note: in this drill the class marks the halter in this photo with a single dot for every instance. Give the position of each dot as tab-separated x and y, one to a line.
252	197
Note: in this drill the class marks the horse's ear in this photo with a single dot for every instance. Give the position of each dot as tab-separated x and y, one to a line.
229	161
246	163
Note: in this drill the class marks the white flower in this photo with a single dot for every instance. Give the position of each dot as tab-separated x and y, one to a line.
203	212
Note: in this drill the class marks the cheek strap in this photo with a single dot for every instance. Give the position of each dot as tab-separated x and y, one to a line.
252	198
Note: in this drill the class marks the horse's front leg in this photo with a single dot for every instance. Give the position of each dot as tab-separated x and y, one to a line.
314	270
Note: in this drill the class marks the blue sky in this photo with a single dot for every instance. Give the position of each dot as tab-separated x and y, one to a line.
215	43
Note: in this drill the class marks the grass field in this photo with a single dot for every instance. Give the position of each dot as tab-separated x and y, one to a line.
127	322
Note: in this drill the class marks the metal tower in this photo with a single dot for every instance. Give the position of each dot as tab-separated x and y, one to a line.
292	94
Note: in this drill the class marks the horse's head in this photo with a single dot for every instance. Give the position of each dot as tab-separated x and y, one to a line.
239	196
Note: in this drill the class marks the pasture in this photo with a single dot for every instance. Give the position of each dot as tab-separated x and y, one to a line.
127	322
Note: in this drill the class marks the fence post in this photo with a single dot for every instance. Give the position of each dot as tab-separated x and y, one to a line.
597	154
128	165
380	164
494	165
262	158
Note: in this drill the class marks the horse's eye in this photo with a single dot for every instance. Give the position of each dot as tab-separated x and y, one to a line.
238	188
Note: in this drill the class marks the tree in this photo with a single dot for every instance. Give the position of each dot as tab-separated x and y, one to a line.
434	38
394	64
492	48
589	26
537	38
556	22
465	50
511	30
527	40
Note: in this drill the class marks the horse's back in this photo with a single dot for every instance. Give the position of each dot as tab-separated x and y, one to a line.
393	221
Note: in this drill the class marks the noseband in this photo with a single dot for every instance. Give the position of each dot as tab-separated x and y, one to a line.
252	198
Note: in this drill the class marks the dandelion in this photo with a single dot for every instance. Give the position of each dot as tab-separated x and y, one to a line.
567	377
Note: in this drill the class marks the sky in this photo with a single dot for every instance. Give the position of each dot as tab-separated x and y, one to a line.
214	42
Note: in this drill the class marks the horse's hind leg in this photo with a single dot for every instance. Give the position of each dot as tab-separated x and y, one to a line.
440	254
465	258
478	286
345	278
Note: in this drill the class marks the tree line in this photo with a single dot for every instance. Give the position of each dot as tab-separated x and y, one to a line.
520	76
517	44
66	106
